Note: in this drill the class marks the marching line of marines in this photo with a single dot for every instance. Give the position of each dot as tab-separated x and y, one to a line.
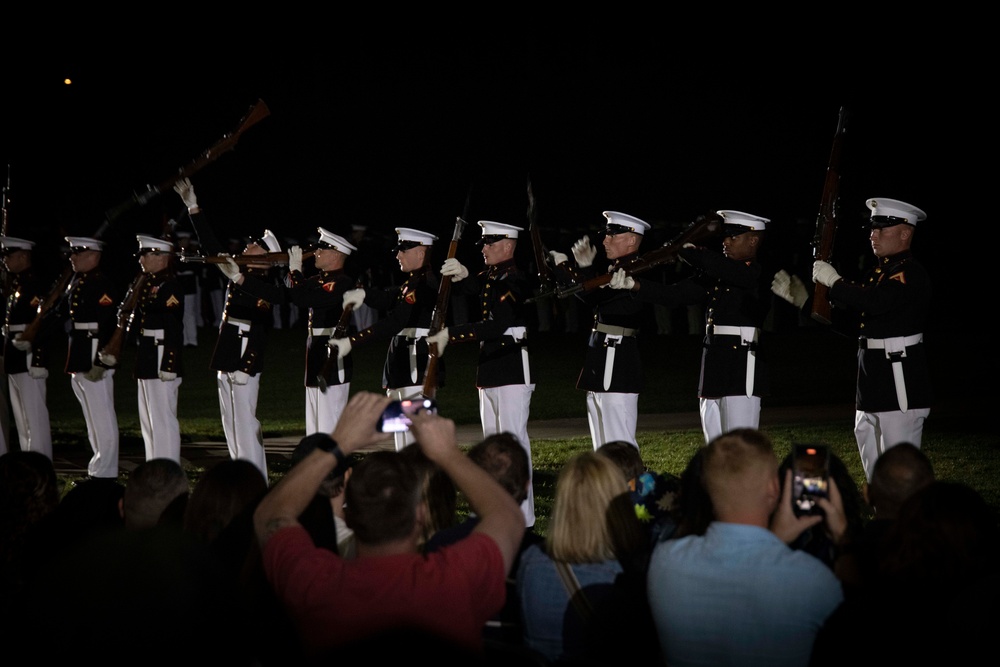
891	304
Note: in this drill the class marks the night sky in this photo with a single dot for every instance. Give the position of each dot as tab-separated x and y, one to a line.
405	133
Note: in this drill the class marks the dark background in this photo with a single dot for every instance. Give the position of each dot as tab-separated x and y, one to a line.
400	132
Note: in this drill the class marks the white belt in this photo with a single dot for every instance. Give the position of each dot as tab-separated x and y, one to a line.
895	351
16	327
894	344
519	333
616	331
748	338
242	325
87	326
414	332
325	331
152	333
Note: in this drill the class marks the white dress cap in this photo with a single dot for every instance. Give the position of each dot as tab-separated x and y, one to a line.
737	221
411	237
14	243
499	229
633	223
150	243
330	240
897	211
84	243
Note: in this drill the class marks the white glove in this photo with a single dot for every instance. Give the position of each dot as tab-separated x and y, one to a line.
621	281
354	297
239	377
295	258
184	188
584	253
689	245
452	267
440	339
229	268
38	372
167	377
107	359
824	273
95	373
341	345
558	257
790	288
23	345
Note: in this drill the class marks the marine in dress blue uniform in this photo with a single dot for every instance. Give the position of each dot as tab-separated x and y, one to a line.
26	364
503	374
93	313
612	369
736	299
322	293
159	315
894	393
408	309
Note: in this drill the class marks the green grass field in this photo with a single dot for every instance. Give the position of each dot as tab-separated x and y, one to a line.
809	366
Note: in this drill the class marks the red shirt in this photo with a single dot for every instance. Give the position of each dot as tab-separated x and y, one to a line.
333	601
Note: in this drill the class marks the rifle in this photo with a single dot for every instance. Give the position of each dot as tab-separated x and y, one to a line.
826	221
546	279
4	274
703	227
63	286
332	360
439	314
126	313
274	258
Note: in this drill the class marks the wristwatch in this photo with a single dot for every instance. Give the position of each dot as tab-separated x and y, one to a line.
330	446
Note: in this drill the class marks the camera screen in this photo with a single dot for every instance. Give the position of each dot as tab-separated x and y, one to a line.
809	476
396	416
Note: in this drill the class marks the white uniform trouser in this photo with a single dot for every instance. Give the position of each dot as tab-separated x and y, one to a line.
31	413
98	402
192	308
323	410
612	416
238	405
404	438
878	431
505	410
161	432
721	415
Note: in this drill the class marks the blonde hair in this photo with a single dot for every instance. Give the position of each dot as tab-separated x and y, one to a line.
736	465
593	519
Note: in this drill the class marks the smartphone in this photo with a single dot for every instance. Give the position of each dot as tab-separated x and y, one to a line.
396	416
810	477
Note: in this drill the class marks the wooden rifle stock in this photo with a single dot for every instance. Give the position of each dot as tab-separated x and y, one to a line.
699	230
545	278
339	332
126	311
826	221
439	315
60	288
274	258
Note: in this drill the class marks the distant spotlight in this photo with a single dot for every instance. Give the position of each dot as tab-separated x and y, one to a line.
67	81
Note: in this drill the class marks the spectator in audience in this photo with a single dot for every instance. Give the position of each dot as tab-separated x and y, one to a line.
390	587
653	495
738	594
568	586
933	599
502	456
897	474
818	540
